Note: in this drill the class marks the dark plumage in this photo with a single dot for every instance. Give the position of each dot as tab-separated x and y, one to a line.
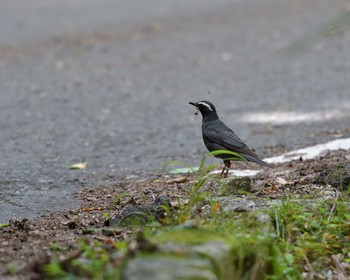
217	136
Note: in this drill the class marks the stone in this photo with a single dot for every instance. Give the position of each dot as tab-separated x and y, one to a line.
237	204
168	268
200	254
141	214
237	185
337	176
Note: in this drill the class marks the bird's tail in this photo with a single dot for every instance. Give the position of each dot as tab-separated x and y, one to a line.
257	160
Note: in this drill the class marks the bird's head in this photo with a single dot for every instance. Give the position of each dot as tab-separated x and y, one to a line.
206	108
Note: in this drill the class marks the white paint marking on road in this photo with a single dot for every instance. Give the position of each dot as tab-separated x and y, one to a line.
311	152
240	173
293	117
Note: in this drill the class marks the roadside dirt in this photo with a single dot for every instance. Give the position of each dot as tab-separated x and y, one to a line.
28	244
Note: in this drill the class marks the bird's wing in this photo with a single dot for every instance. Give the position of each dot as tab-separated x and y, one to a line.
223	136
218	136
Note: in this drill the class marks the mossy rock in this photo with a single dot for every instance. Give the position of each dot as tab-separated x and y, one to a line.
236	186
141	214
337	176
201	254
168	268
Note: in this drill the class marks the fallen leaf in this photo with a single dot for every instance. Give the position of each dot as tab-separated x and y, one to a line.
216	208
177	180
4	225
156	181
81	165
274	187
281	181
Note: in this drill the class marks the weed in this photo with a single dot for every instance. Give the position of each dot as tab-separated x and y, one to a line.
95	261
312	235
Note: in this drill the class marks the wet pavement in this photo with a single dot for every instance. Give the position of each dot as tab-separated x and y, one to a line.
108	82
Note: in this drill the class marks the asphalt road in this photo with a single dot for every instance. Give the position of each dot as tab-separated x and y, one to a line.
108	82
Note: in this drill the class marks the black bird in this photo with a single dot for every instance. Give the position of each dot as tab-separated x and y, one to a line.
217	136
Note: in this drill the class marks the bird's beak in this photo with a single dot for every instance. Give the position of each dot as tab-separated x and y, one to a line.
195	105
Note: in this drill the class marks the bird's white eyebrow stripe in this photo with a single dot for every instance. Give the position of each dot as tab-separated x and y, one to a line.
205	104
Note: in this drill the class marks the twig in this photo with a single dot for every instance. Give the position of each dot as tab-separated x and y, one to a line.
334	204
309	265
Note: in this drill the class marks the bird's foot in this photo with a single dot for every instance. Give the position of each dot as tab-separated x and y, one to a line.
224	172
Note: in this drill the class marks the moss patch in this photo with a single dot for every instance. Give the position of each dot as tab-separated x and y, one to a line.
337	176
237	185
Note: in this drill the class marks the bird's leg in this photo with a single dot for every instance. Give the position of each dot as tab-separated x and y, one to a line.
226	167
222	172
